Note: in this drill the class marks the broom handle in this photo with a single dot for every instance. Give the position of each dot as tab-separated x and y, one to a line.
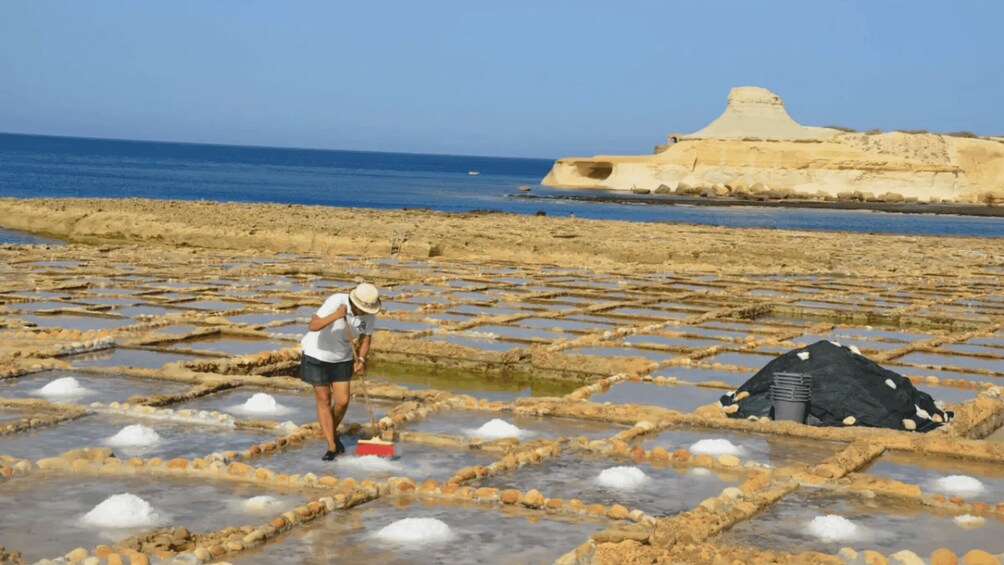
362	381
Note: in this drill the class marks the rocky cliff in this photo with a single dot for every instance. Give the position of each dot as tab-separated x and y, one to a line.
755	150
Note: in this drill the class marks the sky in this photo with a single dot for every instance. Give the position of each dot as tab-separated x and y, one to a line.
516	78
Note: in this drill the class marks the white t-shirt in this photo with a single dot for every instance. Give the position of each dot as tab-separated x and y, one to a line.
330	344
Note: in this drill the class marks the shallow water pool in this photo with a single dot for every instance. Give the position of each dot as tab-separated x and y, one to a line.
93	387
42	514
121	357
763	448
74	322
229	345
468	423
660	492
684	398
880	524
297	407
418	462
926	471
177	439
480	534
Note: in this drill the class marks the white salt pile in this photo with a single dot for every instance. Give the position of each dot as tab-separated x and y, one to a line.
136	435
416	532
497	428
958	485
833	528
970	521
369	463
262	404
64	387
260	504
715	447
699	472
623	478
122	511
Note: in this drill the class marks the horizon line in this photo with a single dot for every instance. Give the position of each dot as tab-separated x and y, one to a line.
280	147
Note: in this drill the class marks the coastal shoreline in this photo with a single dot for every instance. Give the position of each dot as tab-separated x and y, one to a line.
934	209
491	236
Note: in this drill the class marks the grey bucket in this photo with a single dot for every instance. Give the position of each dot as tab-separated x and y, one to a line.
791	393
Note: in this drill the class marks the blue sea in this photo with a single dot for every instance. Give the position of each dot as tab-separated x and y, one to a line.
45	166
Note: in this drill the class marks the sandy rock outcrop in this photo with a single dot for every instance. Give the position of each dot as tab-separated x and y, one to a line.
756	148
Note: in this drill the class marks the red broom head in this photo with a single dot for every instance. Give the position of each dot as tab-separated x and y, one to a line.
377	447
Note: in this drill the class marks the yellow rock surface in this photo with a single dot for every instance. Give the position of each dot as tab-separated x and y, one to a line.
755	146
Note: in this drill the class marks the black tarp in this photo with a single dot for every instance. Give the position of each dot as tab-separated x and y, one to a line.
844	383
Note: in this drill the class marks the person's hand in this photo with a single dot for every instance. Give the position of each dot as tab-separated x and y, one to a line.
339	312
359	368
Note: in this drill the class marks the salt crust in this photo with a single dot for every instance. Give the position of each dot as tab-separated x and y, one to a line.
259	504
369	463
262	403
623	478
416	532
959	485
833	528
970	521
135	435
715	447
64	387
497	428
122	511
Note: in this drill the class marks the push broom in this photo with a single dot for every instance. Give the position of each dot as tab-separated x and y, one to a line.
375	445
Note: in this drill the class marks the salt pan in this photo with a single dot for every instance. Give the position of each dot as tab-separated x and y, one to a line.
122	511
833	528
263	404
497	428
623	478
416	532
64	387
135	435
959	485
715	447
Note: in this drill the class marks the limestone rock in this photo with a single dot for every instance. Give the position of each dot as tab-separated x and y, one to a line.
979	557
532	499
905	557
756	140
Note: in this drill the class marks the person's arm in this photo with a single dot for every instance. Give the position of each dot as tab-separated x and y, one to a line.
364	348
318	323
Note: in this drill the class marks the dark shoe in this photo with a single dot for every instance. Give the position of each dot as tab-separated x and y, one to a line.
339	448
329	455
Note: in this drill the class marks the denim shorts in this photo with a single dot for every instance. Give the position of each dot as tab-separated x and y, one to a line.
320	373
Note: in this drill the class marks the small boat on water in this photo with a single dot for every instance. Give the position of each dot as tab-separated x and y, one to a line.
473	172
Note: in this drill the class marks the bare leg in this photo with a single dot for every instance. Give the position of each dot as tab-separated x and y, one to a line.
340	402
322	395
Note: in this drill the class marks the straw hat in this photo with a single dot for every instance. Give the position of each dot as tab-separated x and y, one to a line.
366	297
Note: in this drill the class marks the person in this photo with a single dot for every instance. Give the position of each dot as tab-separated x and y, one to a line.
326	361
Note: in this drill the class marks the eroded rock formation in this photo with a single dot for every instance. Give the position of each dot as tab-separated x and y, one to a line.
755	150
